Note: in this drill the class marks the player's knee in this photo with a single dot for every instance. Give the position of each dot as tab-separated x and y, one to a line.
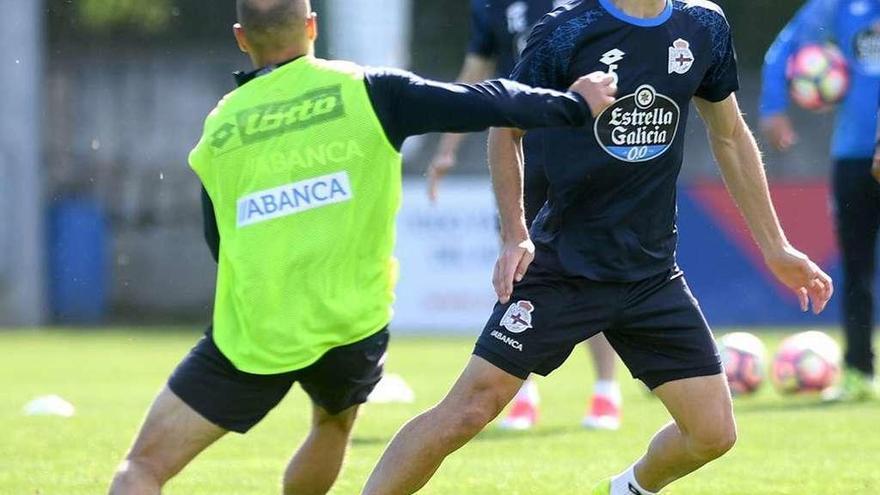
469	421
470	418
714	443
135	474
341	423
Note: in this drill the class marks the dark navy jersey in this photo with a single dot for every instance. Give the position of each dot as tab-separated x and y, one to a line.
611	207
499	28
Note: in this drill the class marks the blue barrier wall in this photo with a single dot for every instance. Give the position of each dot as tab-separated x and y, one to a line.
724	267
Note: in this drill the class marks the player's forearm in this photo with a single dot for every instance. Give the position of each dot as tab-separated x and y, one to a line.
743	170
506	167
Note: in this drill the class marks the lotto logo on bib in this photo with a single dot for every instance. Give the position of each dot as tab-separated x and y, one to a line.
638	127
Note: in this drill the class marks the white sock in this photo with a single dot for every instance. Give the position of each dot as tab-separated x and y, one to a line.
528	392
609	389
625	484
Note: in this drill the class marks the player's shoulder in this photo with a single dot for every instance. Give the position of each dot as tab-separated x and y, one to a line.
568	17
706	14
341	67
699	7
704	11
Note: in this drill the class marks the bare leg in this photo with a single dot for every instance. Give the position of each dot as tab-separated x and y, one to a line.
604	357
605	405
703	430
171	436
420	446
317	463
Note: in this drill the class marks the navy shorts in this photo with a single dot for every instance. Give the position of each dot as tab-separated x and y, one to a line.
236	401
655	325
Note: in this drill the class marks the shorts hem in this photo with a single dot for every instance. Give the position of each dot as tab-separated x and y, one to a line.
272	371
654	379
501	362
236	427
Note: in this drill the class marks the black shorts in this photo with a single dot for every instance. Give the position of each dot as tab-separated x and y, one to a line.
655	325
234	400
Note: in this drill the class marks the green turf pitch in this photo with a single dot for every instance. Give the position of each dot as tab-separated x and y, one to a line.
787	446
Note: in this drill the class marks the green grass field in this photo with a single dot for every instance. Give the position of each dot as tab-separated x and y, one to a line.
787	446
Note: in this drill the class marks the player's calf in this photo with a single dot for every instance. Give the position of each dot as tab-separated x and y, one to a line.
317	463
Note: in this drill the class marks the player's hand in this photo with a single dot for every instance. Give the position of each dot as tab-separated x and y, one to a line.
439	167
511	267
875	167
598	88
779	131
797	272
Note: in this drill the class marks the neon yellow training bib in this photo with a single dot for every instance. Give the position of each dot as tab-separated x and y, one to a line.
305	187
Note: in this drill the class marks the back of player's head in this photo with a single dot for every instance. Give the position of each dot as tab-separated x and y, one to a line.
273	24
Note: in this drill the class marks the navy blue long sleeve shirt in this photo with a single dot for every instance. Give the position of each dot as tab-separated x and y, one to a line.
408	105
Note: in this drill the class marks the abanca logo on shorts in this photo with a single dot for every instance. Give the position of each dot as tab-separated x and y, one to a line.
638	127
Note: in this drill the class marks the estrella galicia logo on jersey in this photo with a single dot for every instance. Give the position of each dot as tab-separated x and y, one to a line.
518	317
294	198
638	127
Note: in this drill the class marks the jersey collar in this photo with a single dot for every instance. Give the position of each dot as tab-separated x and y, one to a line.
242	78
638	21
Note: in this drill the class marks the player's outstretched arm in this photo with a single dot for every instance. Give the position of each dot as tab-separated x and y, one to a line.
741	166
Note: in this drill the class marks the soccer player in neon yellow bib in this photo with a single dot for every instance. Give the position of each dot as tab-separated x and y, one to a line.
300	169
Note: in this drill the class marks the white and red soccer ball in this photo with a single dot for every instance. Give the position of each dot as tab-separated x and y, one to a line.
744	358
806	362
818	76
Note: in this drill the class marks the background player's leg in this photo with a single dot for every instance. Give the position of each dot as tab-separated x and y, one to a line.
524	409
703	430
317	463
857	198
171	436
604	357
420	446
604	409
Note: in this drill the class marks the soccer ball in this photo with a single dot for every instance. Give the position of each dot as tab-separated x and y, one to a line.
818	76
743	356
806	362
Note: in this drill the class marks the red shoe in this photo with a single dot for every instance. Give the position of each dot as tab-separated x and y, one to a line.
523	413
604	414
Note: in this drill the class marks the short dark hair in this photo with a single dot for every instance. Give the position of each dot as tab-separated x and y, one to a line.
270	22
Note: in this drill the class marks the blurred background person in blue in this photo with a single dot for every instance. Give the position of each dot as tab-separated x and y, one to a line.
854	27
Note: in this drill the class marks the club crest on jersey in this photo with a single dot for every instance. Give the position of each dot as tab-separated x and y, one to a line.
518	317
638	127
681	58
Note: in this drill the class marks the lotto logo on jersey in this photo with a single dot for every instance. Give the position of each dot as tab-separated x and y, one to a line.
638	127
518	317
